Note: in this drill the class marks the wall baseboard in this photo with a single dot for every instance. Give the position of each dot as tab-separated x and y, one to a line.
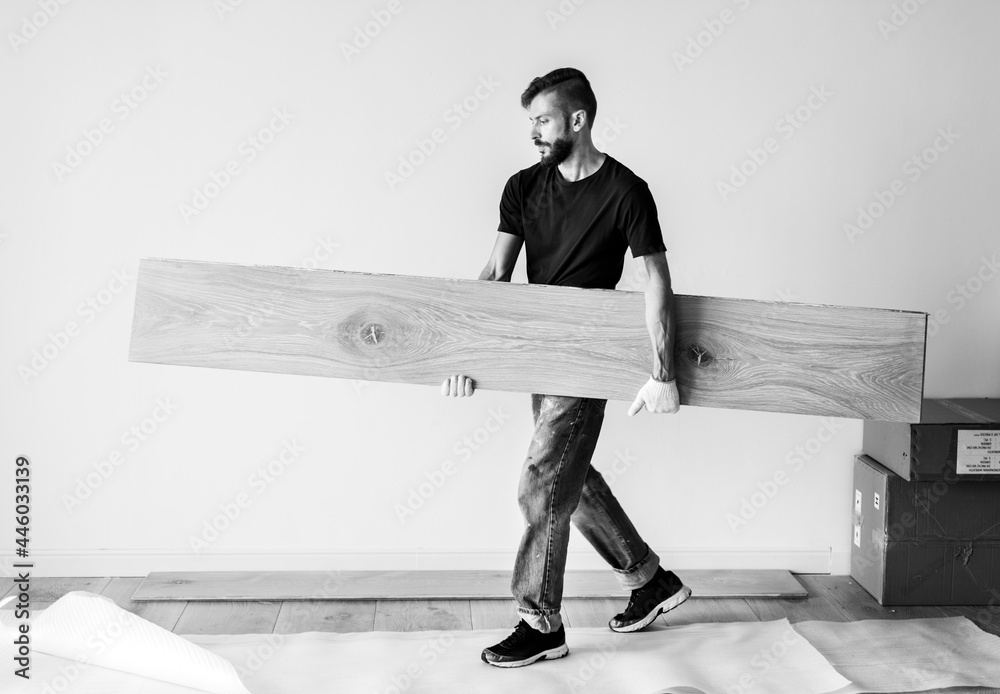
140	562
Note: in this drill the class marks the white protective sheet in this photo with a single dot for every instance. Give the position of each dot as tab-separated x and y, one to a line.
913	655
92	636
728	658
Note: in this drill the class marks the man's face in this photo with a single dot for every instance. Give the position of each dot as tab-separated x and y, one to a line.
550	130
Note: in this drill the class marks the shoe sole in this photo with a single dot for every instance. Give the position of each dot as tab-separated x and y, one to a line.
670	603
550	654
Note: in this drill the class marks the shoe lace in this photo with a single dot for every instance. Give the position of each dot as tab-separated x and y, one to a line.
521	632
632	600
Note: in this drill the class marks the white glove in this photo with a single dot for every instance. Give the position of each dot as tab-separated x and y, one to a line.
458	387
657	396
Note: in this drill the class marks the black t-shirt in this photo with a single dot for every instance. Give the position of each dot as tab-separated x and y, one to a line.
575	233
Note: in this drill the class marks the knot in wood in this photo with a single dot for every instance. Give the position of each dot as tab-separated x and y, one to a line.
700	355
372	334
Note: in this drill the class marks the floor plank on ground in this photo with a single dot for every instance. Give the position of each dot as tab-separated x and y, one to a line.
164	613
343	616
228	617
420	615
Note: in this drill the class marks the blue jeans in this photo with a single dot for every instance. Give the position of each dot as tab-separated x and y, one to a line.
559	485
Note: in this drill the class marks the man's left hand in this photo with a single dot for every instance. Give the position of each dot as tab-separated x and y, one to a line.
657	396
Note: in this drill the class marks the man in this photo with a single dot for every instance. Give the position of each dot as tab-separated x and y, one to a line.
576	211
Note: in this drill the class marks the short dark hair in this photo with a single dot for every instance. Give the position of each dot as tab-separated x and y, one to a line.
572	90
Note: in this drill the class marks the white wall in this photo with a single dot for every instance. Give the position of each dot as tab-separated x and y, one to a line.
321	182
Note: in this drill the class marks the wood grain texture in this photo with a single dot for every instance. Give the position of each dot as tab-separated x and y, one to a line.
494	614
439	585
228	617
816	606
420	615
343	616
730	353
856	601
46	590
591	612
164	613
701	611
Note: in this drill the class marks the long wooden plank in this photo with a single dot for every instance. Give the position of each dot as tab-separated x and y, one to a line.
441	585
730	353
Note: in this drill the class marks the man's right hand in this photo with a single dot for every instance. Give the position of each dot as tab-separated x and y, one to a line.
457	386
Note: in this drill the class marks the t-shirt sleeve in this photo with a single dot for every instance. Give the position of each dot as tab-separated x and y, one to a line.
639	222
510	208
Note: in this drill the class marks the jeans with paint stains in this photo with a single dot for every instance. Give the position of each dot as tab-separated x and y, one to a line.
558	485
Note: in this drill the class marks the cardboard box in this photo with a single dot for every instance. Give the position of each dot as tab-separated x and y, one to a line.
925	543
955	439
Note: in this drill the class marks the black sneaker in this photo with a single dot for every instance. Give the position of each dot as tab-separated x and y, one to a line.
661	593
525	646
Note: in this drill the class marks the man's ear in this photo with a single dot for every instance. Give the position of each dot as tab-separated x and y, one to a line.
579	120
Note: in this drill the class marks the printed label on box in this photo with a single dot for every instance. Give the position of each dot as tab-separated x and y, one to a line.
979	452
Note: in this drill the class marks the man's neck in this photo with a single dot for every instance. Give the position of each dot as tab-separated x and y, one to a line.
585	161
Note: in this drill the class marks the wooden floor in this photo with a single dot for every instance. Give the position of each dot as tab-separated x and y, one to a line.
831	598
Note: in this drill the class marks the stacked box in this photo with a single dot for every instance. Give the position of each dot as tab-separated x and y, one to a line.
955	439
925	543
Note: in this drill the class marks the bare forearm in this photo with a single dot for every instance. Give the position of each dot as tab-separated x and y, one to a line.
494	274
660	322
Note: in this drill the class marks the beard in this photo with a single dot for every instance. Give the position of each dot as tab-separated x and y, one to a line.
559	151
